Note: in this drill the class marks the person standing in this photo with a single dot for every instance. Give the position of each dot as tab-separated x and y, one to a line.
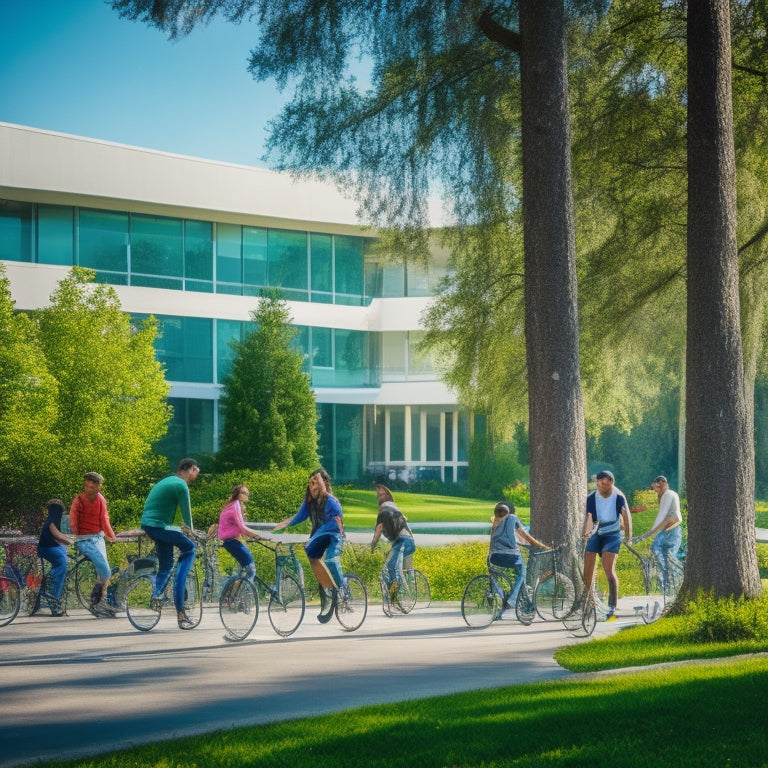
606	509
325	539
88	516
666	528
392	523
232	526
166	497
52	546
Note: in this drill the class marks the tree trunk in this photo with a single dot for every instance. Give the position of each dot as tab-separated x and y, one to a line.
556	411
719	442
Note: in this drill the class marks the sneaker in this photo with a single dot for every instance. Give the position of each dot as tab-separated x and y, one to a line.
156	602
611	616
103	610
327	604
184	621
57	608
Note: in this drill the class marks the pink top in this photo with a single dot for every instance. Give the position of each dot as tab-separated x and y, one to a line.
231	521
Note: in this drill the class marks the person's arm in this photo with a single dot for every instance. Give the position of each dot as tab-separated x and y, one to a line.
74	512
589	524
185	505
299	517
666	513
376	535
527	536
627	523
59	536
106	525
240	522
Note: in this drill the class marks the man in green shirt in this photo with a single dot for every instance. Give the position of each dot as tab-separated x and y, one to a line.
157	521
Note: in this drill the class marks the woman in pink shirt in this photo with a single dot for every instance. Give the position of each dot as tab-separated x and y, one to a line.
232	526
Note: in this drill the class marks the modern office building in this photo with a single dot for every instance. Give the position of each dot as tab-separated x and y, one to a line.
192	241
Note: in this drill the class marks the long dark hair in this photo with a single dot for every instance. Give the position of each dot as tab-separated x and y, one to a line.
316	506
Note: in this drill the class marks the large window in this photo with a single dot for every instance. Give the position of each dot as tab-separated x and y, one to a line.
185	346
15	230
190	431
229	262
103	237
157	252
288	263
198	256
254	260
321	259
349	252
55	234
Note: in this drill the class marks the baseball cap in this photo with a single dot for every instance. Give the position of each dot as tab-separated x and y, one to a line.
660	479
603	473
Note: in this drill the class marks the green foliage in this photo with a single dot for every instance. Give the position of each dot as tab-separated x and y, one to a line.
726	620
268	405
81	390
492	468
518	494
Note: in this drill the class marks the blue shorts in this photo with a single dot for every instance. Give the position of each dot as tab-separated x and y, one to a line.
601	544
328	544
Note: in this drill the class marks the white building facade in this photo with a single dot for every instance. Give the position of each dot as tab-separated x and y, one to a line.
192	242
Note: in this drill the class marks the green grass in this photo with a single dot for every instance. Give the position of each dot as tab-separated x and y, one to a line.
697	716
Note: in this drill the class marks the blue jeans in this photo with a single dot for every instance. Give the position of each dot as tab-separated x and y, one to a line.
242	554
165	540
328	544
664	548
511	562
96	551
57	557
402	547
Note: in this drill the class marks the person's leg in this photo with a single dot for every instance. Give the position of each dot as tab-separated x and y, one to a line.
184	563
609	566
95	550
57	557
394	564
243	555
659	552
164	551
316	548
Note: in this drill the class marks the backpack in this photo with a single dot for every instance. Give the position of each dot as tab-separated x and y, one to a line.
393	520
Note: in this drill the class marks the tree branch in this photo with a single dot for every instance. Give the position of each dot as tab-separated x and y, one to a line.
507	38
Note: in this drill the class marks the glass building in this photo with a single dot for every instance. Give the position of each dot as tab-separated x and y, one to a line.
192	242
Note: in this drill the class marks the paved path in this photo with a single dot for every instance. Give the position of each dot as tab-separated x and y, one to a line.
80	685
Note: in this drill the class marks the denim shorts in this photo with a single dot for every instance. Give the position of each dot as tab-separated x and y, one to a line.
602	544
96	551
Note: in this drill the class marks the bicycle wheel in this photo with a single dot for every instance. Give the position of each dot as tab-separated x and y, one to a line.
10	600
238	607
589	618
574	621
525	608
31	576
286	607
423	592
85	580
193	601
554	596
481	602
141	611
352	603
405	596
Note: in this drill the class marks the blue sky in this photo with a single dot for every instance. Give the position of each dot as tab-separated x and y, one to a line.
75	66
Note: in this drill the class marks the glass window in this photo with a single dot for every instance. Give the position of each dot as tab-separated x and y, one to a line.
190	430
393	355
433	436
349	255
350	351
55	234
449	436
227	332
376	435
254	260
15	231
229	273
185	346
416	435
198	256
419	363
103	239
392	280
288	263
321	260
322	347
418	280
397	433
157	247
463	435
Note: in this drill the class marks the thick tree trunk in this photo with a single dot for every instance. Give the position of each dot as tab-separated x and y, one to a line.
556	411
719	442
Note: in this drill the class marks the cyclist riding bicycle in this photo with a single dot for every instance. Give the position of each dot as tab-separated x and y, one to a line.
166	496
392	523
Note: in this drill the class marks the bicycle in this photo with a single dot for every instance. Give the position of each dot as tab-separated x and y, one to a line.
582	619
351	595
654	586
144	611
552	591
410	590
486	596
239	599
213	580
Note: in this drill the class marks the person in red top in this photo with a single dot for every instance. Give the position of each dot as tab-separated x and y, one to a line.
88	516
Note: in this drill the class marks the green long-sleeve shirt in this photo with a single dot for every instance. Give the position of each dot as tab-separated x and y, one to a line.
170	494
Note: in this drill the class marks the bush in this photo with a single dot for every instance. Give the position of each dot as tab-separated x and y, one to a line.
518	494
726	620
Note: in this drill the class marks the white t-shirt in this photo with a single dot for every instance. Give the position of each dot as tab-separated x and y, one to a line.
669	506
